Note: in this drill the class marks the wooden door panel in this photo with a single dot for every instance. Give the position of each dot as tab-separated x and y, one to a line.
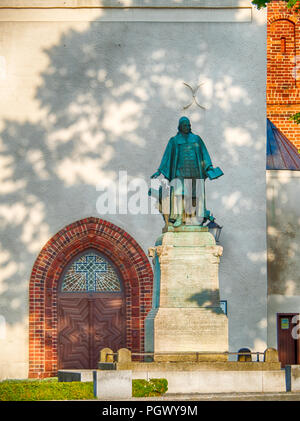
88	324
109	326
287	345
73	333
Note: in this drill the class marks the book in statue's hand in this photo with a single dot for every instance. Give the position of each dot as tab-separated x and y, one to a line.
213	173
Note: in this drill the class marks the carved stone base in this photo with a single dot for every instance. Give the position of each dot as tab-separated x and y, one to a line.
196	357
186	315
184	330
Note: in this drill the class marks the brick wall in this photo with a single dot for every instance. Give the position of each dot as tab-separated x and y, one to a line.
120	248
283	75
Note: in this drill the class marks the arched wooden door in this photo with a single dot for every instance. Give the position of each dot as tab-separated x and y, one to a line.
91	311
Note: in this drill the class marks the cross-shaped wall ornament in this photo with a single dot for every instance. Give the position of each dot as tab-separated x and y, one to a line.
194	92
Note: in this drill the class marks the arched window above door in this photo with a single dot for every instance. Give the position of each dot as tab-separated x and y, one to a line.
90	272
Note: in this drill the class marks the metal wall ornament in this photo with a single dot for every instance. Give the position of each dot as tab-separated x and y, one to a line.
194	92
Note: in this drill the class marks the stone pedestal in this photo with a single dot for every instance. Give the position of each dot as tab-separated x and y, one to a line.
186	314
112	384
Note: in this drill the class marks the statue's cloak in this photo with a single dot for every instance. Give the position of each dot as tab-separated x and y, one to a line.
169	162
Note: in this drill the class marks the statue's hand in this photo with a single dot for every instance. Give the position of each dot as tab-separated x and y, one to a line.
156	174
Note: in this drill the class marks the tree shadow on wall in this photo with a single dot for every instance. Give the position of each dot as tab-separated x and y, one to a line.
206	299
101	97
283	234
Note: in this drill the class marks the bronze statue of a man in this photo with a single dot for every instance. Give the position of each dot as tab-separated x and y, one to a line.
186	158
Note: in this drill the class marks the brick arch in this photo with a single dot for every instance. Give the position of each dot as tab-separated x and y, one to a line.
282	16
121	249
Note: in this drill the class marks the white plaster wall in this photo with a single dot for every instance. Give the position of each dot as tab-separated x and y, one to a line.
283	216
83	99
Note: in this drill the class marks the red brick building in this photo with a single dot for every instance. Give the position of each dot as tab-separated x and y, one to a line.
283	68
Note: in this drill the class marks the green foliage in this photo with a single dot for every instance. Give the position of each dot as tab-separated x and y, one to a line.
153	387
47	389
50	389
264	3
260	3
295	118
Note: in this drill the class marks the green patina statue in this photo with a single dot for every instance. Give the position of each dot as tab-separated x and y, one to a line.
186	164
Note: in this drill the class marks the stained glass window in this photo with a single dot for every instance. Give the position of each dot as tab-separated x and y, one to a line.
91	272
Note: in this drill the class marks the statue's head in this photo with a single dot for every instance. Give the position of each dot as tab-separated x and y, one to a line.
184	125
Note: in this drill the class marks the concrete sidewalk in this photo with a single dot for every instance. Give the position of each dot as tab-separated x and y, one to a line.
284	396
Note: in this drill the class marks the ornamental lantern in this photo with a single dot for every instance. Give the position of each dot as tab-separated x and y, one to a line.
214	229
